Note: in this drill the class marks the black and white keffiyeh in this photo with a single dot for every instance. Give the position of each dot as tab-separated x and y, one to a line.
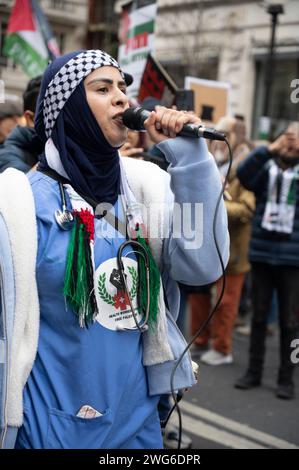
68	78
75	145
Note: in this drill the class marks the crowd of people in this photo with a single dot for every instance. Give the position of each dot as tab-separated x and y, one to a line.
264	238
90	382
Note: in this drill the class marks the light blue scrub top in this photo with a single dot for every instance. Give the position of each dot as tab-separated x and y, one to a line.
77	366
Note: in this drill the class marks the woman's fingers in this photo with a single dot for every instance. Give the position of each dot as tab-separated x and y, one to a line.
171	121
164	122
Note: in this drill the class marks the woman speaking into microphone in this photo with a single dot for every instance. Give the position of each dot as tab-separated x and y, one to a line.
94	339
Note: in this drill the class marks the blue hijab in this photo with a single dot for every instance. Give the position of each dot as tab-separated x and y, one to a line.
90	162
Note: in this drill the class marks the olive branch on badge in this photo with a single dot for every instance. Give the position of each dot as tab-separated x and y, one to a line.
104	294
134	275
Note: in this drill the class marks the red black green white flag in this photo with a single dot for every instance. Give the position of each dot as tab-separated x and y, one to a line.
156	83
29	39
136	35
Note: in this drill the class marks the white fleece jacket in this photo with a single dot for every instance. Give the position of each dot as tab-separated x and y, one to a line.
18	211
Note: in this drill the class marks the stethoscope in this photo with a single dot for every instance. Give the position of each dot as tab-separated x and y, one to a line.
65	220
140	250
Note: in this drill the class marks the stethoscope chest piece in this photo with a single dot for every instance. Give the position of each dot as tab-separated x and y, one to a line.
64	218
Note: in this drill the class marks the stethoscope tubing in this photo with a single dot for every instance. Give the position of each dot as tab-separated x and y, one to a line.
143	326
65	219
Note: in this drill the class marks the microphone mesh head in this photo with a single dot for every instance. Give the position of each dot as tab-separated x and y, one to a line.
131	119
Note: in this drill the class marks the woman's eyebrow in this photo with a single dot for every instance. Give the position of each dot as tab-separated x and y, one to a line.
108	81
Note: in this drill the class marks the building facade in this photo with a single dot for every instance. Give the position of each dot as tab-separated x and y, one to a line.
229	41
224	40
102	28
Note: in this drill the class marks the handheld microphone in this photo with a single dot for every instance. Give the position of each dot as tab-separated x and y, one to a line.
134	118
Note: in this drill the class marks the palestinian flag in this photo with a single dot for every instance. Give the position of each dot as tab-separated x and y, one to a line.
157	83
29	40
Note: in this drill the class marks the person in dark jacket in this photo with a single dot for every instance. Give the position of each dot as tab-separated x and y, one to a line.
10	116
272	174
22	146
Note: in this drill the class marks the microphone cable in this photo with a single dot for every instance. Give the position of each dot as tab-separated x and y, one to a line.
178	397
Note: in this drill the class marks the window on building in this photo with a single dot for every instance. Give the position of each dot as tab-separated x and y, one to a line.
60	38
101	11
281	109
177	71
65	5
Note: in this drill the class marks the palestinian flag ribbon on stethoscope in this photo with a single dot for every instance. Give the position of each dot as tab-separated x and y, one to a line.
154	278
79	274
80	270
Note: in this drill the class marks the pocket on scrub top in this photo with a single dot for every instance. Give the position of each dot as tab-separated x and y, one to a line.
67	431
